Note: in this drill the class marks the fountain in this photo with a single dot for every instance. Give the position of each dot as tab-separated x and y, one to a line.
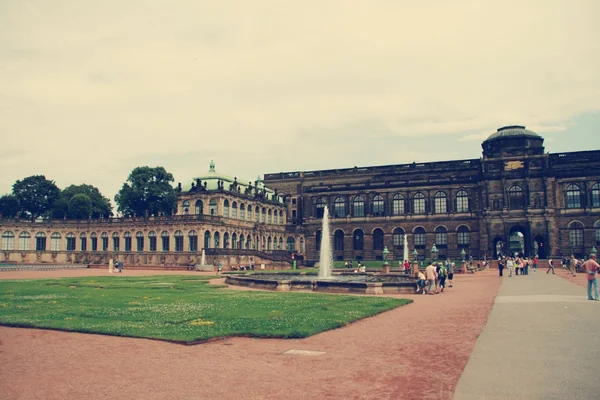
405	256
325	255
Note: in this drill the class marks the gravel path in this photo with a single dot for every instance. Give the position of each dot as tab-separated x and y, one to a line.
413	352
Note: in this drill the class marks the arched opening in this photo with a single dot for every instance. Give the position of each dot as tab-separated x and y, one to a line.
358	240
517	241
576	239
318	235
378	239
499	247
539	247
207	240
199	207
338	240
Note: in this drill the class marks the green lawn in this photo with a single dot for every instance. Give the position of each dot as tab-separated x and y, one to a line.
177	308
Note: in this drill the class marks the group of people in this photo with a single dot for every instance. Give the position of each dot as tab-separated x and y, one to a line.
359	267
519	265
572	264
433	280
115	266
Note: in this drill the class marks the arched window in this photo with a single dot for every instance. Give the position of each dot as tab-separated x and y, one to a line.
462	202
226	240
398	204
358	239
249	212
441	237
378	239
576	235
55	239
178	235
338	240
242	243
83	241
358	207
226	208
8	240
269	219
419	203
116	241
249	242
256	214
280	217
40	241
25	241
199	207
104	238
463	236
596	195
318	238
573	196
139	241
597	232
319	207
280	243
440	205
94	239
166	241
217	239
269	243
234	241
420	237
193	241
302	245
186	207
263	214
242	211
398	237
212	207
234	209
152	241
516	197
290	244
70	241
207	239
339	207
378	206
127	239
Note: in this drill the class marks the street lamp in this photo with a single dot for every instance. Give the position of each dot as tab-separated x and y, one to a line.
463	254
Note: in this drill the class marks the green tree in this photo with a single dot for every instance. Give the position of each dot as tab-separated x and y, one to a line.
147	190
9	206
36	194
80	206
101	206
60	208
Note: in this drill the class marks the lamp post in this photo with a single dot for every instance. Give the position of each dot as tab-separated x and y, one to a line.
434	252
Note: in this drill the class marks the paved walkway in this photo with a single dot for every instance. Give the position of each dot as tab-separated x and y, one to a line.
541	341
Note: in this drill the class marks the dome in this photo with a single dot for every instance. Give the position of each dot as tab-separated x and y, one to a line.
512	131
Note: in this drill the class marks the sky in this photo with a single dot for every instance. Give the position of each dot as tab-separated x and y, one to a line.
91	90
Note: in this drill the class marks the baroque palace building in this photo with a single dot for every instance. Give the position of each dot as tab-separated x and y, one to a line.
516	198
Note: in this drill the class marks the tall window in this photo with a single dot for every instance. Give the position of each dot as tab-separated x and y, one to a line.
462	201
338	240
226	240
116	241
127	238
269	213
596	195
269	243
8	240
398	204
319	207
152	241
516	197
263	214
249	212
199	207
234	209
166	241
234	241
212	207
193	240
207	239
576	235
217	239
302	245
226	208
419	203
339	207
420	237
441	237
398	237
280	217
257	214
290	244
359	239
104	238
186	207
40	241
242	212
24	241
70	241
440	204
178	241
55	239
139	241
378	205
358	207
377	239
94	238
463	236
573	194
83	241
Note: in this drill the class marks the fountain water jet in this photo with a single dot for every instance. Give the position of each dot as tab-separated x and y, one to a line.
203	259
326	255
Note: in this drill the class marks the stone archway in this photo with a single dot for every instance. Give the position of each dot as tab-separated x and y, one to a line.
517	241
540	247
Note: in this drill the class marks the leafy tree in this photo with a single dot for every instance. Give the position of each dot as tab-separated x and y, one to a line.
80	206
36	194
101	206
9	206
147	190
60	208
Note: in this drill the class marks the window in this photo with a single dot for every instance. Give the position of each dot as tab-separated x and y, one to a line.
139	241
516	198
212	206
8	240
269	243
104	238
234	241
302	245
398	204
226	240
573	194
70	241
24	241
256	214
40	241
116	241
242	212
226	208
358	239
280	217
178	241
207	239
339	207
358	207
234	210
270	219
152	240
419	203
596	195
290	244
319	207
441	237
463	236
193	240
127	238
377	239
94	239
378	206
398	237
280	244
576	235
420	237
263	213
440	204
199	207
597	232
55	239
462	202
186	207
166	241
83	242
217	239
249	213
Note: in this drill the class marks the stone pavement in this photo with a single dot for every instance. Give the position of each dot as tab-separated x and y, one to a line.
541	341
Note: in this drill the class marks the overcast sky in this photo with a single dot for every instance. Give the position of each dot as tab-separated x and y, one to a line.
91	89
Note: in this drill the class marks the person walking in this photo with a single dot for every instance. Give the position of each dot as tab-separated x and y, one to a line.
220	268
500	267
431	276
573	265
510	265
550	266
451	267
592	268
535	264
442	277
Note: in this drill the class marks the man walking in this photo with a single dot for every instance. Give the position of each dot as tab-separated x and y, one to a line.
550	266
500	266
510	265
431	276
592	268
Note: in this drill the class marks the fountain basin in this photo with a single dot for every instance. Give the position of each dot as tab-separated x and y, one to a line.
350	283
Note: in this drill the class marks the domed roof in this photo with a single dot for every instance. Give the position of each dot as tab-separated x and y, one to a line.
512	131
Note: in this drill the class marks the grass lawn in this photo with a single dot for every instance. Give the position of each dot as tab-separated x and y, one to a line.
177	308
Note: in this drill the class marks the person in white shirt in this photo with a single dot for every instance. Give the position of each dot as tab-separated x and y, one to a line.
510	265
